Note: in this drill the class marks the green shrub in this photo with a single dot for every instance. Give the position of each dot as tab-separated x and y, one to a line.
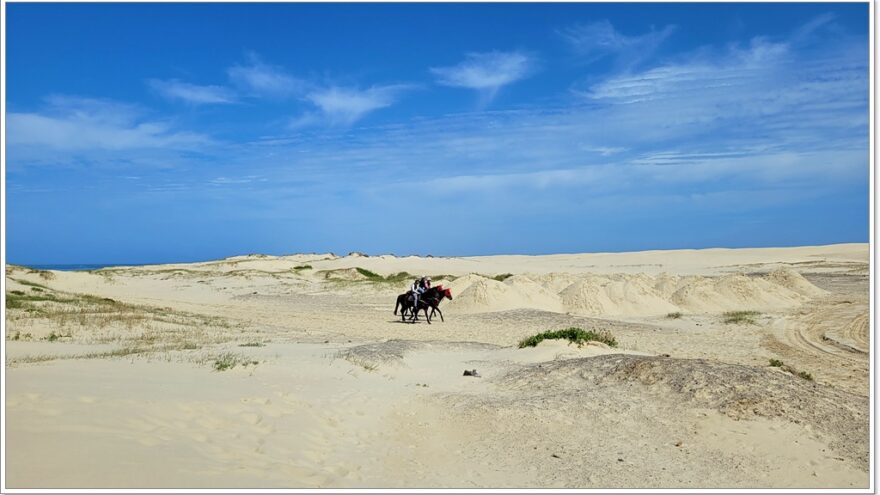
574	335
776	363
368	273
740	317
502	277
393	278
805	375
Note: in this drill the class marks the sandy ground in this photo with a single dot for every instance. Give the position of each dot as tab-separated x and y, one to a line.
292	372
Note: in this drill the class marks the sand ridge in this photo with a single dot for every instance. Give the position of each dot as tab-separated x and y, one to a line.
633	294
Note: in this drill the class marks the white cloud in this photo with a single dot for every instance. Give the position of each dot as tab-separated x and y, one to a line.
599	39
347	105
260	79
486	72
70	128
191	93
748	120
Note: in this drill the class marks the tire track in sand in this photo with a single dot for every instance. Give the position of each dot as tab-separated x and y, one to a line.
827	338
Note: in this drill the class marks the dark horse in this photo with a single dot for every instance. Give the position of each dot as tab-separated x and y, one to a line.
429	299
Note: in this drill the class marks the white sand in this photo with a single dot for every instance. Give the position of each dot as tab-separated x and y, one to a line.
124	393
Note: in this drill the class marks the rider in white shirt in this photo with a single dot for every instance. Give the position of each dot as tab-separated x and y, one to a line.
418	287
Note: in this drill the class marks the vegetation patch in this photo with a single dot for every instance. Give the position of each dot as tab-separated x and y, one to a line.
367	273
29	283
741	317
229	360
363	363
788	369
674	316
252	344
574	335
393	278
44	274
302	267
502	277
52	337
805	375
21	336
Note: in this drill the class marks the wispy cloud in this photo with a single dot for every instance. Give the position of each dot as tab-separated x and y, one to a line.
486	72
340	105
763	121
600	39
257	78
70	128
191	93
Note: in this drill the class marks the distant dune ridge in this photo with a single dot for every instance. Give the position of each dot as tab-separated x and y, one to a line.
636	294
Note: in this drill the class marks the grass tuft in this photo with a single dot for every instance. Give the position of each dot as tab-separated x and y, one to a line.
805	375
788	369
676	315
367	273
229	360
574	335
303	267
502	277
741	317
30	284
393	278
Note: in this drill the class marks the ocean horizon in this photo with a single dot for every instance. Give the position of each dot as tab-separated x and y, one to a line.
72	267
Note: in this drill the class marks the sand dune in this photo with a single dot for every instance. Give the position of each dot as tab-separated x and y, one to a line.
633	294
291	371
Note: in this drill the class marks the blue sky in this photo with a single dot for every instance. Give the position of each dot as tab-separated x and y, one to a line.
177	132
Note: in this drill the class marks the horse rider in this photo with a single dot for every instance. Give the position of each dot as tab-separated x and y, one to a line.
418	287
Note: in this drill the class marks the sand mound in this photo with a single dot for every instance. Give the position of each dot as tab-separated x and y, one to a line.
632	294
555	282
738	391
534	294
792	280
732	292
476	294
621	295
485	295
586	297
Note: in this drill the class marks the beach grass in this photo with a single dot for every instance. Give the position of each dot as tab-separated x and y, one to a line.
741	317
574	335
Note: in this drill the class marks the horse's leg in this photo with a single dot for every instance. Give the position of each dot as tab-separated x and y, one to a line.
437	309
396	305
427	316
